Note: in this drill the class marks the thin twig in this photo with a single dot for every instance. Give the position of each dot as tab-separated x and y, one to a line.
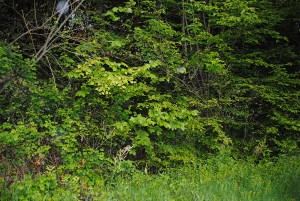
30	34
53	77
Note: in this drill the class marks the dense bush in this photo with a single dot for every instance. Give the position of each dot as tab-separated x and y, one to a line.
131	85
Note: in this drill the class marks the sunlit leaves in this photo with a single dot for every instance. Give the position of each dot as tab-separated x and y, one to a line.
213	63
106	75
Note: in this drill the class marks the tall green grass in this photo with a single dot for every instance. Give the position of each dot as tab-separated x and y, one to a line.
218	178
221	178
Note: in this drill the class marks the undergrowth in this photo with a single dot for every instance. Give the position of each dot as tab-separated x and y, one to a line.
218	178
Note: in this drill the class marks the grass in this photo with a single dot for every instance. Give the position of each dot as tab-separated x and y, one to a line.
219	178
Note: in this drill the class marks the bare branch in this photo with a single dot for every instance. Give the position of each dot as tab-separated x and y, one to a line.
50	39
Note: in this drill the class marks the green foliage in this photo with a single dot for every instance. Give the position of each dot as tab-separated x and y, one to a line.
52	186
146	85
